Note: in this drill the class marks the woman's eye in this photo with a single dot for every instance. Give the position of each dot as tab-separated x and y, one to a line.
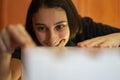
41	28
59	27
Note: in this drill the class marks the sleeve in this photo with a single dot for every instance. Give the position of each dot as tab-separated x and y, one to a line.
92	29
17	53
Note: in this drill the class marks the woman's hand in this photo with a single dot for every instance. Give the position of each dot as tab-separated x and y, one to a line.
109	41
14	36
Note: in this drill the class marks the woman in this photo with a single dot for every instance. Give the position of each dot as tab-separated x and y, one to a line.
77	25
54	23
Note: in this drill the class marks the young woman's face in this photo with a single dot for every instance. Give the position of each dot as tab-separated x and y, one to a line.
51	27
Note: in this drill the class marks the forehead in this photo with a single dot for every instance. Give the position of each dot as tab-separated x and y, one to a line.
50	14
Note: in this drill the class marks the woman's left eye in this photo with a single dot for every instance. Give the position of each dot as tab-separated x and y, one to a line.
59	27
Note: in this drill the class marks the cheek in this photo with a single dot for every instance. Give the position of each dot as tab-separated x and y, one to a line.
65	33
40	36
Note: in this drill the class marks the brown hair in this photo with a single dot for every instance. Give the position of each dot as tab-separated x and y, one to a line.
67	5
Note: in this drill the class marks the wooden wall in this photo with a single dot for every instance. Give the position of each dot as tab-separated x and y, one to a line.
13	11
105	11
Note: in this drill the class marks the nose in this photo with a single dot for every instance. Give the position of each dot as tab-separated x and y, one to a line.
52	38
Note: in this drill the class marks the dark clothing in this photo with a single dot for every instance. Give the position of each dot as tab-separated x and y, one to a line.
17	53
90	30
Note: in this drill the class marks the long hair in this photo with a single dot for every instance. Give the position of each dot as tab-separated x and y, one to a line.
67	5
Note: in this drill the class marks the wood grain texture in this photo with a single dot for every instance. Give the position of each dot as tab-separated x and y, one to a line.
13	12
104	11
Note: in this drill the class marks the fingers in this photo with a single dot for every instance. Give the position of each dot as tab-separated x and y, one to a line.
19	34
61	43
4	41
100	42
95	42
13	36
109	44
3	48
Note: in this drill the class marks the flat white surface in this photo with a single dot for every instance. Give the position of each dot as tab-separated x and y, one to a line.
71	63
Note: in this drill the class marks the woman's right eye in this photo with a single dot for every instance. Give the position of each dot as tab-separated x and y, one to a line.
41	28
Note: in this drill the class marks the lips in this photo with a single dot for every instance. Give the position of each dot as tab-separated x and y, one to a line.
60	42
57	44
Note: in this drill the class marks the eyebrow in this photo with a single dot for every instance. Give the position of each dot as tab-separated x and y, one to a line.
54	24
60	22
39	24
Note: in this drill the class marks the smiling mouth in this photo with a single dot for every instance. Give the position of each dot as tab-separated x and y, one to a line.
59	42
